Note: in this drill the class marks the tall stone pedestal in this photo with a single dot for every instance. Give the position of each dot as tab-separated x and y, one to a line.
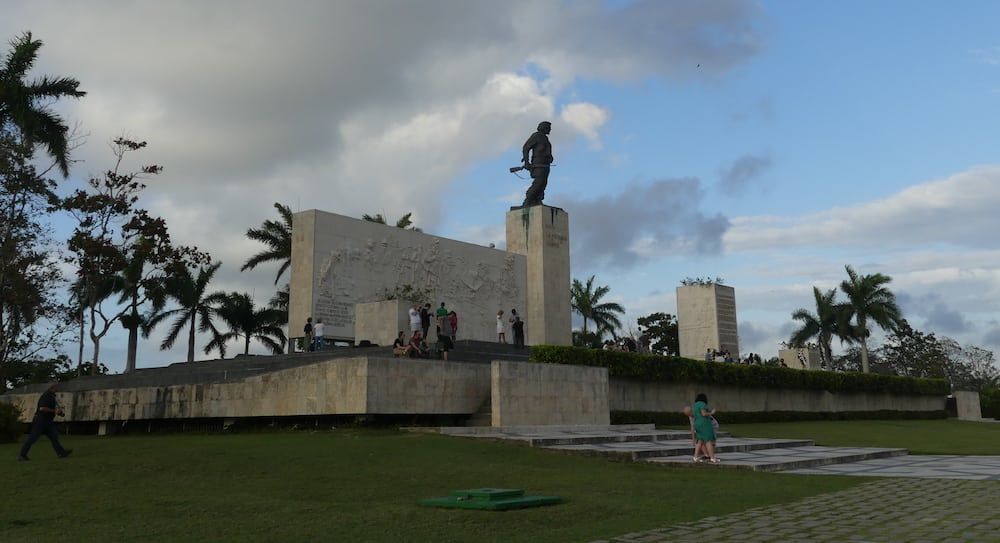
541	233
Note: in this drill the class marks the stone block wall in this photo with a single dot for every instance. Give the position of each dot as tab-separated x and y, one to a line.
528	394
633	395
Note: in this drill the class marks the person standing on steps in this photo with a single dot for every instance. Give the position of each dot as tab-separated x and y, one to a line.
425	318
307	334
517	325
44	424
318	332
703	427
501	334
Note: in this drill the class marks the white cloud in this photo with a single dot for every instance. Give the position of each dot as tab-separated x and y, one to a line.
587	119
950	211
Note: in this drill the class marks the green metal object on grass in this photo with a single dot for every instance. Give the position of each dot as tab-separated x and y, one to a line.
490	499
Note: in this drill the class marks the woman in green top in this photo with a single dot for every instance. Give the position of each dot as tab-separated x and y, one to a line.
703	426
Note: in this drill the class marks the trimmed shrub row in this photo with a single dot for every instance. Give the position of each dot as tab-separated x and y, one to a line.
989	403
736	417
10	426
676	369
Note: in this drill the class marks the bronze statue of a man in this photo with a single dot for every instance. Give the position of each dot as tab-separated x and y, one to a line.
540	148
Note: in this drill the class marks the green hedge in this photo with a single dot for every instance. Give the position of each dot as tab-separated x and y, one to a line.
989	402
736	417
10	425
676	369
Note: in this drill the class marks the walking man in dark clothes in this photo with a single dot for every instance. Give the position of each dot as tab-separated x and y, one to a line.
44	423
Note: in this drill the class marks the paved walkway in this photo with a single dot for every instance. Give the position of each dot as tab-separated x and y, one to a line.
894	510
982	468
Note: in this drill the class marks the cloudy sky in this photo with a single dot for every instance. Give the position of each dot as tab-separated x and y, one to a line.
769	143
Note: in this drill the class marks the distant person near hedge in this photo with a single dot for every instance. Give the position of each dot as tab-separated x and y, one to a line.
44	424
517	325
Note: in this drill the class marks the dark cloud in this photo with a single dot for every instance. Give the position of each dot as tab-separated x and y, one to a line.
754	338
641	222
942	319
738	176
992	337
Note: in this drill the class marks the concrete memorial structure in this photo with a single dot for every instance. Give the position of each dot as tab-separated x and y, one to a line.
339	262
706	319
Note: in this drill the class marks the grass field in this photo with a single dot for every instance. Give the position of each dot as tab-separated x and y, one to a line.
353	485
919	436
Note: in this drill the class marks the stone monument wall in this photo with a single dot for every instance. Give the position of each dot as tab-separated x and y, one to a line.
339	261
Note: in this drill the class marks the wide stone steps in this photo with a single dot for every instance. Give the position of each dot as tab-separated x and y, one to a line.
643	443
783	458
643	450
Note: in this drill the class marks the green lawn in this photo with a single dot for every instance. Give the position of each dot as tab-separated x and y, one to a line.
918	436
353	485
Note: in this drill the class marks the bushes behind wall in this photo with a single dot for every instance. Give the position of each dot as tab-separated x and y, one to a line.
677	369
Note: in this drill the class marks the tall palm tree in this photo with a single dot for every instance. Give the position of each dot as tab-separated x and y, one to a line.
823	325
247	322
405	222
869	301
24	103
277	236
194	306
586	300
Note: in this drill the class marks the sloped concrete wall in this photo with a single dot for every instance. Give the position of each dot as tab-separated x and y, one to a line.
344	386
967	403
633	395
528	394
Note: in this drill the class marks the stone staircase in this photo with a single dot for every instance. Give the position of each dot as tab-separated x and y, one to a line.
644	443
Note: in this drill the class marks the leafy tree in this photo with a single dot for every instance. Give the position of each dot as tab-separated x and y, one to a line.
970	368
586	300
662	331
279	302
869	302
911	353
405	222
119	248
33	316
277	237
24	104
247	322
828	321
195	306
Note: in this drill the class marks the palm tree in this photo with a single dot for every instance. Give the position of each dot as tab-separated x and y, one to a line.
189	293
277	236
279	302
586	301
827	322
405	222
247	322
24	103
869	300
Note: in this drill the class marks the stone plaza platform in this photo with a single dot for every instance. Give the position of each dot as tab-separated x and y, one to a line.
482	383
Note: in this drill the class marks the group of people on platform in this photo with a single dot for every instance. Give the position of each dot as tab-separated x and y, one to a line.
723	355
312	338
446	324
516	326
